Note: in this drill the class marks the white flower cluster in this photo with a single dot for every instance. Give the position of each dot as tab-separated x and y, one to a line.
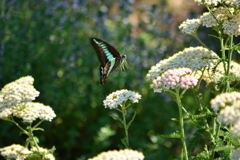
21	90
236	154
29	112
18	152
216	2
47	155
194	58
209	76
16	101
232	26
208	2
15	151
228	18
229	106
120	96
126	154
218	16
190	26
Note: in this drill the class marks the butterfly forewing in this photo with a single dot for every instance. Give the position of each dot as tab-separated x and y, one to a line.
108	57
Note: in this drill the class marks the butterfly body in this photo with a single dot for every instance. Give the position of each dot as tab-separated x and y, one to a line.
108	56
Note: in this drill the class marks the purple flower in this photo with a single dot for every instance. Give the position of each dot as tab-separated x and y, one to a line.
174	78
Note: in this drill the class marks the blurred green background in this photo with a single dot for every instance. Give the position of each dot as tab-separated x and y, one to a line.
49	40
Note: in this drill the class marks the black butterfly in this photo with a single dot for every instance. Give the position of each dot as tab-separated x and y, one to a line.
108	57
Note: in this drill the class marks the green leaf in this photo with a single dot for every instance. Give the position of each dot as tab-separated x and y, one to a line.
172	135
130	122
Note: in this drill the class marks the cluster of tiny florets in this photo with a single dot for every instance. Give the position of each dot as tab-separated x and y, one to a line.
190	26
126	154
194	58
19	91
16	100
174	78
229	106
117	98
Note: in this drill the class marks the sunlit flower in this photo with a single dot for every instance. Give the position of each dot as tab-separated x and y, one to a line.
208	2
120	96
235	129
209	76
43	151
190	26
21	90
232	26
15	151
229	115
229	106
194	58
224	100
220	15
236	154
232	2
174	78
126	154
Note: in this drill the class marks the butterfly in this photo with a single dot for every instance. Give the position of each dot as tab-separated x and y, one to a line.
109	58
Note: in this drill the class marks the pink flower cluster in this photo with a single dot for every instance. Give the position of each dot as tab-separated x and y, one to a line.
174	78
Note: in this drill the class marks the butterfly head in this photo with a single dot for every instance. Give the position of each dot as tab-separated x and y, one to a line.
123	62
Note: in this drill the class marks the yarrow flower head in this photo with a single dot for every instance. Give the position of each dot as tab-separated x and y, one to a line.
120	96
174	78
232	26
208	2
190	26
43	151
19	91
15	151
126	154
219	16
19	152
236	154
216	2
229	106
213	75
194	58
29	112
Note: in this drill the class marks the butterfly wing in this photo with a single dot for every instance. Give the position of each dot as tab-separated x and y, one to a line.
108	57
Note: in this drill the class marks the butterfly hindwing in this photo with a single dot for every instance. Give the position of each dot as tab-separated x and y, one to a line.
108	57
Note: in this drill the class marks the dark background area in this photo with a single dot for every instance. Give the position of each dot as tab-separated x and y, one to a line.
49	40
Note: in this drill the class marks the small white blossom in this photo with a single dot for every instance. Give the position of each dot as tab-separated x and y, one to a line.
194	58
229	115
208	2
209	76
232	26
190	26
232	2
219	16
15	151
225	99
236	154
126	154
21	90
31	111
120	96
45	152
235	129
229	106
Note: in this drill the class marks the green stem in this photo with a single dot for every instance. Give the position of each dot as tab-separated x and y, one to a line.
178	100
125	126
229	63
31	136
11	119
